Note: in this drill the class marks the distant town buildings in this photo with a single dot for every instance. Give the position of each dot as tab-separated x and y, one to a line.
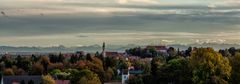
159	48
18	79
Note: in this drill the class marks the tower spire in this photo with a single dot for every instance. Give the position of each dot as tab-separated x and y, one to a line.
103	50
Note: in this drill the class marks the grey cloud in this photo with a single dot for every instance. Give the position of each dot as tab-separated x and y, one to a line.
186	18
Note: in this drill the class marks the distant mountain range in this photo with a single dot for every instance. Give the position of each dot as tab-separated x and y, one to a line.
94	48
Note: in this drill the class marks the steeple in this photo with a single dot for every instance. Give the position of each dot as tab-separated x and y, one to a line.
103	50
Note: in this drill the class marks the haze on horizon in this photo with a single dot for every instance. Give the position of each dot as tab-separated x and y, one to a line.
122	22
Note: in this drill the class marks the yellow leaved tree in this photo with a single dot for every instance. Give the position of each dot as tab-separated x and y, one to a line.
208	66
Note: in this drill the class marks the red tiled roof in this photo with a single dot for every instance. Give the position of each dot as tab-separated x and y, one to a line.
158	47
67	55
111	53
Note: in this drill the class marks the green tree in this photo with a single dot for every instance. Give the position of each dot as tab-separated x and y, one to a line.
45	62
97	54
110	62
109	74
225	53
74	75
209	66
138	65
24	63
156	64
61	57
232	51
34	58
74	58
153	51
171	52
89	57
147	68
123	64
55	71
88	77
8	63
53	58
96	66
235	63
188	51
177	71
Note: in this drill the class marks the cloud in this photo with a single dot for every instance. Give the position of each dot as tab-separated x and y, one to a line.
137	1
122	1
42	0
89	22
168	41
122	38
107	19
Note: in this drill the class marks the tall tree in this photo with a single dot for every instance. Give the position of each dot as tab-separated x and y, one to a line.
188	51
232	51
235	63
171	51
156	64
209	67
225	53
60	57
45	62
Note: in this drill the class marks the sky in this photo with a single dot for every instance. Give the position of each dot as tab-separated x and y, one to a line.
118	22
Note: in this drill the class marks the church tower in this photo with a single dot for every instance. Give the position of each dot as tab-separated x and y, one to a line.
103	50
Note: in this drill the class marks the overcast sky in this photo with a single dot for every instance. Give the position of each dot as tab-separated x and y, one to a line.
88	22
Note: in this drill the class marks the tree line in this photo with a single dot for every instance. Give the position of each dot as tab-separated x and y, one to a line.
190	66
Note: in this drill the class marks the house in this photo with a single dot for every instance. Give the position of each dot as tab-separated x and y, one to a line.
133	58
68	55
135	72
19	79
159	48
125	75
111	54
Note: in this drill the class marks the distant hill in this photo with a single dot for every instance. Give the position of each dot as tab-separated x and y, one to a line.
90	48
95	47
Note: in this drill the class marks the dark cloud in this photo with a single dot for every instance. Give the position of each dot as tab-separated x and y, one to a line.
181	19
